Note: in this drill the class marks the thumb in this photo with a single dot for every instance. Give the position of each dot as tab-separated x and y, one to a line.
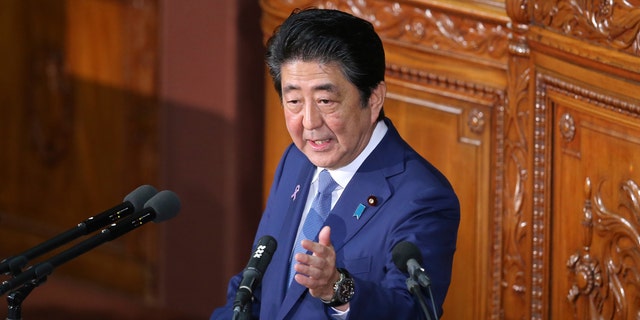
324	237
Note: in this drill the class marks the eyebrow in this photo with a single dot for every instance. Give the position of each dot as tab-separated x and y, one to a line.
322	87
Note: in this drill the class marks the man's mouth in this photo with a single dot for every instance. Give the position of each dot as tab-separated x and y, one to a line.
320	142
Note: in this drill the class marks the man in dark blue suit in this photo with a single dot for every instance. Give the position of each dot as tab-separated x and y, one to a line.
328	68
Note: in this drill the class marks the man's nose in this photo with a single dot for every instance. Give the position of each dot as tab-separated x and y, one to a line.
312	117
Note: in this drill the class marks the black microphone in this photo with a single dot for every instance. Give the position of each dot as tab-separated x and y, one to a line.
408	258
252	274
163	206
133	202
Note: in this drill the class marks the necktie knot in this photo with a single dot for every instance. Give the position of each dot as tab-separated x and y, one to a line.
326	184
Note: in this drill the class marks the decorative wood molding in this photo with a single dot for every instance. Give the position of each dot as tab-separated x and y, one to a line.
495	310
540	198
603	277
626	107
515	223
422	26
567	127
476	121
512	177
612	23
476	92
431	29
518	11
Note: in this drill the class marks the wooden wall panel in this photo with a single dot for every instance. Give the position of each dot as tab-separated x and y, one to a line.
595	222
453	136
593	251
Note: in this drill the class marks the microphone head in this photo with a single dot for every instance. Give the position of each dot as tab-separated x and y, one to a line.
165	204
403	252
261	256
140	196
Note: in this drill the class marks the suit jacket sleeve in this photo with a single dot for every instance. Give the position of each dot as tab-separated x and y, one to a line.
430	221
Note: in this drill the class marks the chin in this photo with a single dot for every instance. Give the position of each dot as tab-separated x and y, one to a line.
321	163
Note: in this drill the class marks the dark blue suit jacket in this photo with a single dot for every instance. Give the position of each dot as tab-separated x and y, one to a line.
415	203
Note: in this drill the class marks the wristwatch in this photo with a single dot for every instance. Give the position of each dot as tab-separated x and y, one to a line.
343	290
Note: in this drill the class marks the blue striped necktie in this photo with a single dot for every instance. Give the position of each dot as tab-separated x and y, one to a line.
318	212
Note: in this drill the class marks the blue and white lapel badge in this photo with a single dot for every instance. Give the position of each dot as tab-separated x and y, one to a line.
371	200
295	193
359	211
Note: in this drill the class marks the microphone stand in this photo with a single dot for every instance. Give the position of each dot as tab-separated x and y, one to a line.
414	288
433	304
242	312
15	298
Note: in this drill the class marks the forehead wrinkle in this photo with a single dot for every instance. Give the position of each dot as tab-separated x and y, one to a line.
330	87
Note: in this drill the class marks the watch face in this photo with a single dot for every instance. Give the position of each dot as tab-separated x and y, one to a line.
343	290
346	290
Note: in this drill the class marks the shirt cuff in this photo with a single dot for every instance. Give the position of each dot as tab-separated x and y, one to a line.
339	315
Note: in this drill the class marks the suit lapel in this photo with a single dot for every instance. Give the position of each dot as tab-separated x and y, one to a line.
369	183
343	220
294	212
289	231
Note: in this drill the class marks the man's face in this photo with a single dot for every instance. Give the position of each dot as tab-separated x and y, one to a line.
324	114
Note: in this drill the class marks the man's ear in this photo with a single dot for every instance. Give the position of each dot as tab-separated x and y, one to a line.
376	100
